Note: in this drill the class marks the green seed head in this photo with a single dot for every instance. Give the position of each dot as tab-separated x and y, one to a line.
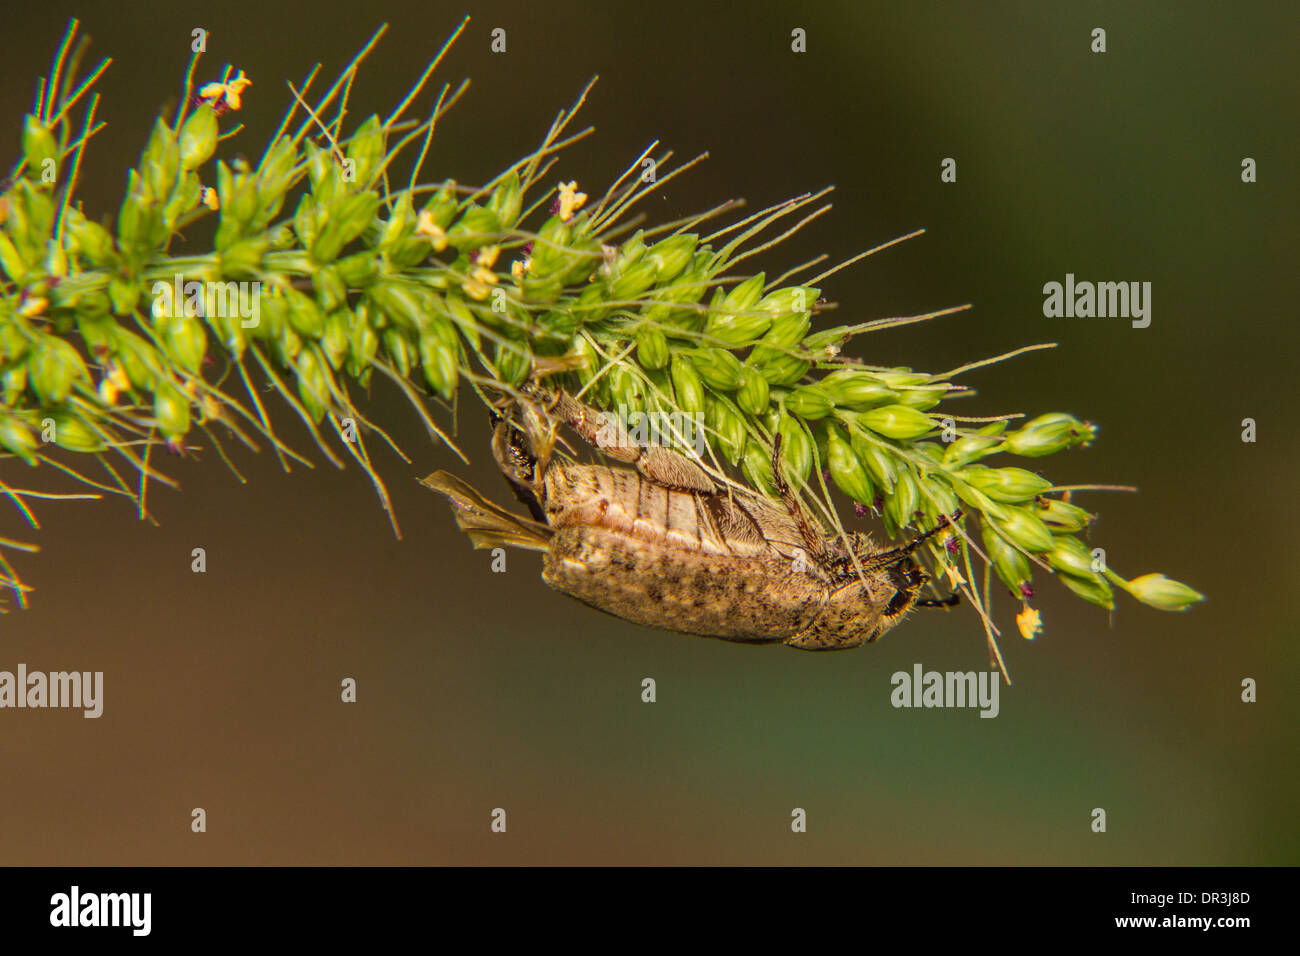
53	366
1094	590
651	347
745	296
737	327
809	402
1011	565
1164	593
1026	530
1013	485
17	438
1061	515
727	426
719	368
850	388
796	449
970	448
846	470
753	396
756	465
1071	556
1049	434
901	507
672	255
38	146
896	421
74	434
879	464
172	410
686	384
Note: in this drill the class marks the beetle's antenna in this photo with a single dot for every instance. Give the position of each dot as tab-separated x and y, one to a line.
886	558
952	600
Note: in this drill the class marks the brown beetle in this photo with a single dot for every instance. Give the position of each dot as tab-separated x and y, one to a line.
664	544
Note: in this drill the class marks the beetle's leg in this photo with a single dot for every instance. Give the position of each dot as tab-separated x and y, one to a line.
604	431
952	600
514	451
816	543
517	464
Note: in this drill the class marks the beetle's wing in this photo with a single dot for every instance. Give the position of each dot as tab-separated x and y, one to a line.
487	524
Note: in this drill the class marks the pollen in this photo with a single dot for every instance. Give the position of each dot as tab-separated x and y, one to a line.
33	306
208	196
210	408
117	375
228	95
108	390
425	226
1030	623
570	200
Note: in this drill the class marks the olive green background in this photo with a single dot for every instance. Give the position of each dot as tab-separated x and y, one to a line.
481	690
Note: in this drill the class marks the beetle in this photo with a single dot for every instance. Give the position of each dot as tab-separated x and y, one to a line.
654	539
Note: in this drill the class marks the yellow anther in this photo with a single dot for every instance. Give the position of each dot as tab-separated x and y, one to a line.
36	305
570	200
1030	623
231	92
425	226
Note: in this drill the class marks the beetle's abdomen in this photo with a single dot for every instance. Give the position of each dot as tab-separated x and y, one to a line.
678	589
620	499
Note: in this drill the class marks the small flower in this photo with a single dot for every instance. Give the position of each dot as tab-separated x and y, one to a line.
108	391
519	268
425	226
569	201
608	257
226	96
955	580
210	408
859	509
113	383
208	196
482	278
33	306
1030	623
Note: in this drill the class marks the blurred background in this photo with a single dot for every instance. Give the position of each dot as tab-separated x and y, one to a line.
479	690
